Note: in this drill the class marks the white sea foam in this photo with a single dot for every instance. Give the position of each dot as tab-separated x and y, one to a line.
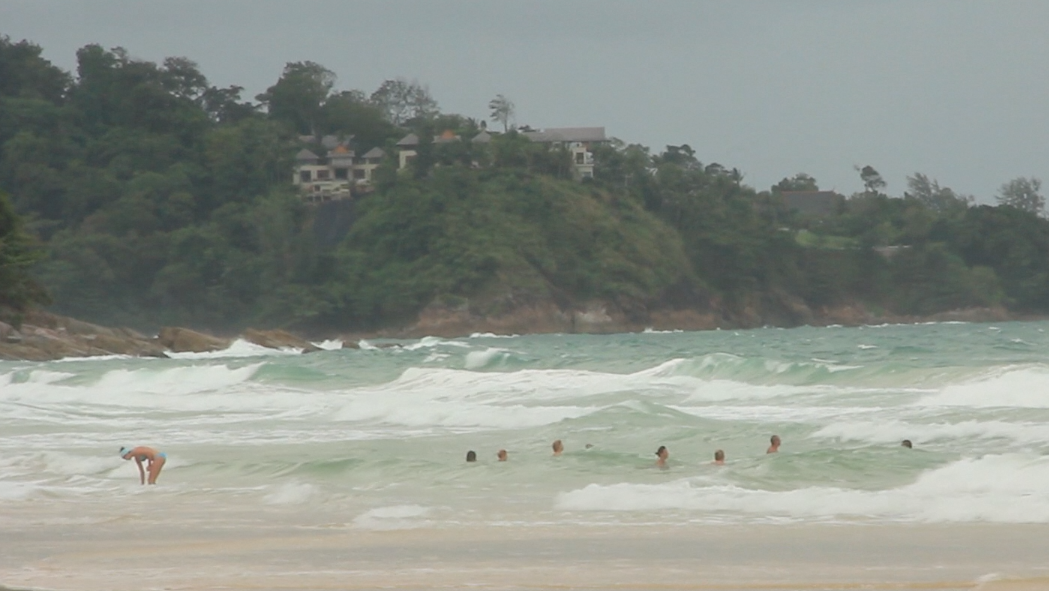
430	342
1015	387
16	491
490	335
291	493
122	391
330	345
894	431
92	359
40	376
238	348
392	518
490	356
1002	489
415	411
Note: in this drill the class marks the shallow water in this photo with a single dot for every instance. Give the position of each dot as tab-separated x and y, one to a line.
374	440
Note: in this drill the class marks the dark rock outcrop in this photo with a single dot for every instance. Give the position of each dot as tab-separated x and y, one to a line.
45	337
278	339
184	340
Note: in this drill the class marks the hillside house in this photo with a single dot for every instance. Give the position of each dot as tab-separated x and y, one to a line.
340	172
578	141
336	174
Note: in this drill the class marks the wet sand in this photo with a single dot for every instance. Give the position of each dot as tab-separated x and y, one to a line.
133	555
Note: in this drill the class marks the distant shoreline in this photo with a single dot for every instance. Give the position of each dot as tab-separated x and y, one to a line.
50	337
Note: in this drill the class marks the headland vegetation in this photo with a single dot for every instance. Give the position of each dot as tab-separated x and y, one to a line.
137	194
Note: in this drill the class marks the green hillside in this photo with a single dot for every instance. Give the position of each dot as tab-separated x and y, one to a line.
146	196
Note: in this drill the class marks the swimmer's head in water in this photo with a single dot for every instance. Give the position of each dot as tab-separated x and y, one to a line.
907	443
719	456
558	447
662	451
501	455
471	456
774	440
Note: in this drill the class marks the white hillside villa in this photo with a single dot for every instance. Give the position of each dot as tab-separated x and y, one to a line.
578	141
335	175
340	172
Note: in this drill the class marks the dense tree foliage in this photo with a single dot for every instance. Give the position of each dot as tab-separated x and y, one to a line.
158	198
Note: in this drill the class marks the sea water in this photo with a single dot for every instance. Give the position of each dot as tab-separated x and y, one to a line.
375	439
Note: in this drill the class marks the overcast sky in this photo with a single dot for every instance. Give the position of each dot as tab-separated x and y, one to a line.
955	89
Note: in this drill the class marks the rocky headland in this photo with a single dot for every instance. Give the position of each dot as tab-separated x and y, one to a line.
43	336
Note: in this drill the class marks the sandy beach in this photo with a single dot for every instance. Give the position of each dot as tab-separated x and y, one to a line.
133	556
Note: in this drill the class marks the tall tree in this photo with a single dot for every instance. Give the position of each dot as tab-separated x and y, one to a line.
223	105
798	182
502	110
351	113
930	194
24	73
1023	193
402	100
872	181
298	97
18	289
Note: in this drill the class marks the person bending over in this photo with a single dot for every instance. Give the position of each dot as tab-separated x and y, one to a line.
154	459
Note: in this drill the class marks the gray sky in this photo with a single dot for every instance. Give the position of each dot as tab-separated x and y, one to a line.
955	89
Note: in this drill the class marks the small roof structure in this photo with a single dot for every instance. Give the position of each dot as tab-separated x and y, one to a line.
305	155
375	152
409	140
567	134
482	138
446	136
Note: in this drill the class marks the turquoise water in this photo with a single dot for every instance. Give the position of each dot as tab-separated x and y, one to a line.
377	437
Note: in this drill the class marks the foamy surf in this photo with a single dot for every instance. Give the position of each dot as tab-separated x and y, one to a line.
996	488
238	348
389	426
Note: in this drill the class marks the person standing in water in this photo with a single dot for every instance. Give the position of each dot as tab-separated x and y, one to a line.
559	448
501	455
719	458
154	459
775	445
662	454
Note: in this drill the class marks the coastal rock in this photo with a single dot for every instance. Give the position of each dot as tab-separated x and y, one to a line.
8	334
125	345
184	340
278	339
448	321
995	314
